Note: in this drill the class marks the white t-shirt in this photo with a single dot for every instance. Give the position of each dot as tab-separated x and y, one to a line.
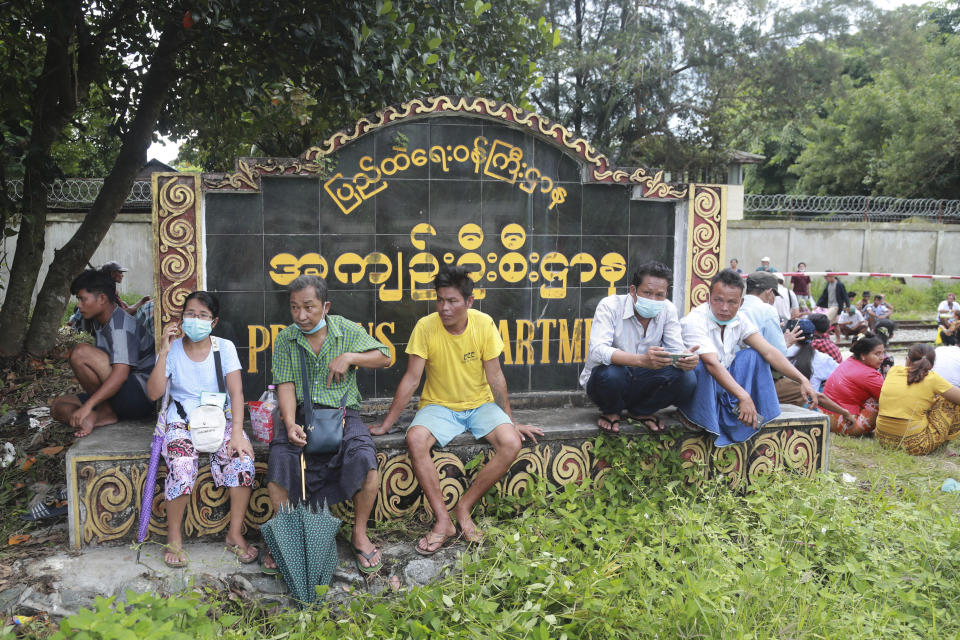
947	364
850	319
700	329
821	367
945	310
189	378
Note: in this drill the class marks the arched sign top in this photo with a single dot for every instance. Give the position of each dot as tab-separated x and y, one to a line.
599	168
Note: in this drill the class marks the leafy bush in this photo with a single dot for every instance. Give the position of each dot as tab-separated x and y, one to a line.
649	550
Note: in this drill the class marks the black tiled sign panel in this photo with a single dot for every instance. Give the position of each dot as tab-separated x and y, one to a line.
543	245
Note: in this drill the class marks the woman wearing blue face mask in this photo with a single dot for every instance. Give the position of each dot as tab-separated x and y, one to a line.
189	363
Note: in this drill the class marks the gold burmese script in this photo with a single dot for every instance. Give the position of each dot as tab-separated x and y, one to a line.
393	276
501	161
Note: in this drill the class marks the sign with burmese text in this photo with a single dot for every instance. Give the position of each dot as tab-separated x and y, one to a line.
542	244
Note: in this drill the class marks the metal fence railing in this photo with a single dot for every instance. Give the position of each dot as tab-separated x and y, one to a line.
81	192
849	208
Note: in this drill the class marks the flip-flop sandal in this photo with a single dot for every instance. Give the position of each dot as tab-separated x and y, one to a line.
368	556
476	539
42	512
653	423
268	571
438	539
176	564
613	423
241	554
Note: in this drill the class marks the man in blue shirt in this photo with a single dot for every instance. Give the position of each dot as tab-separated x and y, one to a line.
758	306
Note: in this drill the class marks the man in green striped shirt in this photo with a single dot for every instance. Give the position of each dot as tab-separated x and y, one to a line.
331	348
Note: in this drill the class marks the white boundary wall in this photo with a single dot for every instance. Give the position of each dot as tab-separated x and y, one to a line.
129	242
846	246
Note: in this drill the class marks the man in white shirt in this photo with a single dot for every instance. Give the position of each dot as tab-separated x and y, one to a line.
947	363
786	302
947	317
735	394
633	360
850	322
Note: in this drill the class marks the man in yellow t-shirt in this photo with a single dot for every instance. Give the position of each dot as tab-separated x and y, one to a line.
465	390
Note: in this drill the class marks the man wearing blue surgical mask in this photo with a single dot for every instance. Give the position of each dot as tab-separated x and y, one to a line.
637	361
734	395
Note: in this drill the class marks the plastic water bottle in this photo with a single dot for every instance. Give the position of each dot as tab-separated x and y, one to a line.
261	414
269	397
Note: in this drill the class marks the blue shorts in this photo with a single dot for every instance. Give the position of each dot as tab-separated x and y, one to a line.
445	424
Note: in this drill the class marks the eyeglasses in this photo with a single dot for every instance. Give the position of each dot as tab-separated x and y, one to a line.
198	316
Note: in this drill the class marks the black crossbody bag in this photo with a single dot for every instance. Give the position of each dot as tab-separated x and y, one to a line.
324	427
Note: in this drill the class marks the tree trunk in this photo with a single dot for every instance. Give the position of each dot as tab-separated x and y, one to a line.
70	260
53	104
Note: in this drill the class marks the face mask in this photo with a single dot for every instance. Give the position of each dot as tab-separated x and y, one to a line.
320	325
197	329
722	323
648	308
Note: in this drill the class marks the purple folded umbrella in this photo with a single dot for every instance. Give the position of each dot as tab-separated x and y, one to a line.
146	504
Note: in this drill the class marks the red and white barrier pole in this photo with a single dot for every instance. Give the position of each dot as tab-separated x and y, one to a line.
867	274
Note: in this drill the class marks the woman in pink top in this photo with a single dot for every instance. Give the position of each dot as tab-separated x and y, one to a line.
855	386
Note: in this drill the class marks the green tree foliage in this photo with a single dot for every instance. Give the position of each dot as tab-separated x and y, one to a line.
898	135
656	83
363	56
87	85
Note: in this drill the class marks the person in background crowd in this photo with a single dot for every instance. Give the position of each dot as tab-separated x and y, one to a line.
786	303
918	408
885	329
948	317
113	373
735	394
821	341
735	265
850	323
758	305
864	301
816	366
855	385
631	364
765	265
801	287
115	271
879	310
947	364
834	297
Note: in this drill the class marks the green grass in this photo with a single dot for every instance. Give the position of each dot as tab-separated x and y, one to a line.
645	553
910	301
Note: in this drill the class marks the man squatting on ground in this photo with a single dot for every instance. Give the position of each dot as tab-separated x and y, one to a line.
634	340
459	348
332	348
735	394
113	373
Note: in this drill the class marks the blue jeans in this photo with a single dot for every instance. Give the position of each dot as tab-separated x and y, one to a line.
714	409
614	387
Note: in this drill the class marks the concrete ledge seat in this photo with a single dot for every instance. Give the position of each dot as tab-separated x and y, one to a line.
106	470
